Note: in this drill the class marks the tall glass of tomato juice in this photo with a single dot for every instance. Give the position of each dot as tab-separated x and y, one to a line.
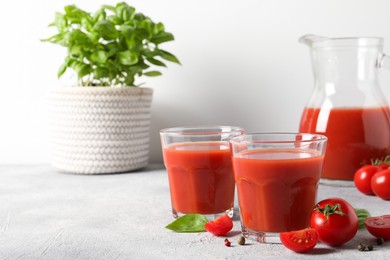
277	176
199	164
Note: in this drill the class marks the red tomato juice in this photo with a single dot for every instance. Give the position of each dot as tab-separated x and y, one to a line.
277	188
200	177
355	136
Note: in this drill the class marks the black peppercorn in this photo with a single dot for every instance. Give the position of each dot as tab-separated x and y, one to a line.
361	247
241	240
380	241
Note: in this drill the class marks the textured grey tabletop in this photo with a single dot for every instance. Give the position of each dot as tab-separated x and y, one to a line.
45	214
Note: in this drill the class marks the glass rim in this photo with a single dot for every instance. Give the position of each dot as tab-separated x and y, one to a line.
348	42
201	130
246	138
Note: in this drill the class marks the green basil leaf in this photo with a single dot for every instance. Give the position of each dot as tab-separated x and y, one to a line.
115	20
147	25
99	57
100	73
139	17
124	11
153	73
106	29
127	31
62	69
109	7
162	37
112	49
127	58
168	56
188	223
75	14
81	68
141	33
160	27
99	15
58	38
78	37
94	36
75	50
60	22
362	214
156	62
87	23
129	80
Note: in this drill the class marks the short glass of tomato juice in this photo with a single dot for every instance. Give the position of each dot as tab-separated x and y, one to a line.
277	176
198	160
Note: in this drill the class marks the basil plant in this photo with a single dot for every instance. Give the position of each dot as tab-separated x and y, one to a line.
114	46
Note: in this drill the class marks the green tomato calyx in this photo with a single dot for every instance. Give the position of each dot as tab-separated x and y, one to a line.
330	210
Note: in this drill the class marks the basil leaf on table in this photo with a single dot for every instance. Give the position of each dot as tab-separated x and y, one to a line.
188	223
362	214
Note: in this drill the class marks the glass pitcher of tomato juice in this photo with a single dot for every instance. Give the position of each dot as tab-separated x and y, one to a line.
347	104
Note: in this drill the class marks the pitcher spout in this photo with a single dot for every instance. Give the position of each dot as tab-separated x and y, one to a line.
309	39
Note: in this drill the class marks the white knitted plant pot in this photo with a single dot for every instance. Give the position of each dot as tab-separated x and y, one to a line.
98	130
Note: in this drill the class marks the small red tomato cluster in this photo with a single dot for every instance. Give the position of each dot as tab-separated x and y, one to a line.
374	180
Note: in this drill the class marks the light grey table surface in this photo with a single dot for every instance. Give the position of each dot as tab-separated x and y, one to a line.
45	214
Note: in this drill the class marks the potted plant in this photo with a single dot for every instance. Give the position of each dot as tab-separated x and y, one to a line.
101	125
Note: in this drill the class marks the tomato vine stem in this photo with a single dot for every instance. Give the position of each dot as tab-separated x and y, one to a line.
330	210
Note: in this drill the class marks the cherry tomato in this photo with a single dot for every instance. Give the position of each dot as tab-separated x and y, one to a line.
380	184
220	226
362	178
300	241
379	226
335	221
383	166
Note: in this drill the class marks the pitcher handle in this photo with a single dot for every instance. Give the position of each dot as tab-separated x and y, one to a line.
384	61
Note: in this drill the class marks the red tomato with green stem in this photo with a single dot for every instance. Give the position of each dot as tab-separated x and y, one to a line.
220	226
362	178
300	241
383	165
380	184
379	226
335	221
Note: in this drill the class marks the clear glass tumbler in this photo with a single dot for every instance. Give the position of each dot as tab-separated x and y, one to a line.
200	172
277	176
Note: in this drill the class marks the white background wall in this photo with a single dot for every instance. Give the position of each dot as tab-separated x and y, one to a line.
242	64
